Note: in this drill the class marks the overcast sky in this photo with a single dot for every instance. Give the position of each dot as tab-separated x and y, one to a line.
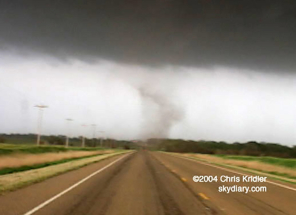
214	70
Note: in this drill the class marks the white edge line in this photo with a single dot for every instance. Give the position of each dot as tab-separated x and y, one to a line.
218	167
72	187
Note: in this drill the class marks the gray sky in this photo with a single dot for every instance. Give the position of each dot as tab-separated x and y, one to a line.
214	70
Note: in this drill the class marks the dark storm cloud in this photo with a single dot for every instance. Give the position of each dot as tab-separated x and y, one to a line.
254	34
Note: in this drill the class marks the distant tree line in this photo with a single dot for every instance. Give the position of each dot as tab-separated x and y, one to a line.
2	139
251	148
61	140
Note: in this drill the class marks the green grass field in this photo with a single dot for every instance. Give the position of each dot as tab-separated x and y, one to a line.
6	149
284	162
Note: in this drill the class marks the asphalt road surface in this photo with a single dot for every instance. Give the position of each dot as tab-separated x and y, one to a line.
141	183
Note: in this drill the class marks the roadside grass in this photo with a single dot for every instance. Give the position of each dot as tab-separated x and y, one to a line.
10	170
247	164
6	149
285	162
17	180
271	175
18	162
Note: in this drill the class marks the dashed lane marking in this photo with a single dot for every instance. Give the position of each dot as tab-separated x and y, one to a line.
184	179
203	196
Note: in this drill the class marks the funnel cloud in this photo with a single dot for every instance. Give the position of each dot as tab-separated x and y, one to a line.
159	112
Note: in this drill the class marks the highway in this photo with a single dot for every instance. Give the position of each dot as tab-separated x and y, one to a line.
149	183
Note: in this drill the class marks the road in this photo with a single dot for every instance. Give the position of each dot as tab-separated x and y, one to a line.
144	183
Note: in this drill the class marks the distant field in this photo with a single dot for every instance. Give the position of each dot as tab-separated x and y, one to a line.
6	149
290	163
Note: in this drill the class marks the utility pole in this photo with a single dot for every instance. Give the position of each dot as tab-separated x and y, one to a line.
94	133
68	133
39	127
83	138
102	137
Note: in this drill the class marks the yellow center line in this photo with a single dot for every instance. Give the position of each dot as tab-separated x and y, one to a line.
203	196
184	179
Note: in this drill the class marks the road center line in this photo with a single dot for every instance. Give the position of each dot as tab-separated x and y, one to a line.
184	179
218	167
72	187
203	196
